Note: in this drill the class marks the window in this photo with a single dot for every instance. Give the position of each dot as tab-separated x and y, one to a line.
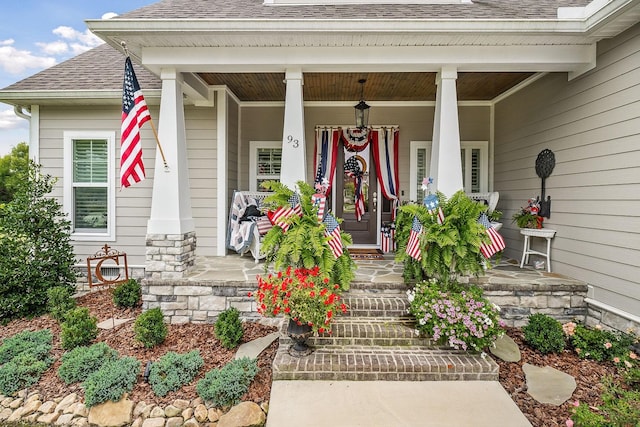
265	161
475	166
89	190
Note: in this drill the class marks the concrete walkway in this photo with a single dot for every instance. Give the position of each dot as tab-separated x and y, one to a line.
392	404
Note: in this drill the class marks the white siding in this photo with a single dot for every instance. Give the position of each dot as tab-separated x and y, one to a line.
592	124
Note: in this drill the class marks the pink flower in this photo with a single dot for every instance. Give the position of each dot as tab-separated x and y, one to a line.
616	360
607	345
576	403
627	364
569	423
632	355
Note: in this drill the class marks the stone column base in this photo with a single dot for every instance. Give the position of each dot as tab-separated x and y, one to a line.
170	256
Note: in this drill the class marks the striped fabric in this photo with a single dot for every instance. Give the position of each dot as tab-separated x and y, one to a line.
413	246
496	242
332	231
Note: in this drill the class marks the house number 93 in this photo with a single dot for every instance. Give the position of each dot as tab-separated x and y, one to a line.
295	142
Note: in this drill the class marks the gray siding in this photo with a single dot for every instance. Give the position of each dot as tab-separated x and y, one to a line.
592	124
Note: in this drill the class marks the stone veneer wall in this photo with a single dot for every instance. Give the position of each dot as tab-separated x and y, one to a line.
610	320
198	302
170	256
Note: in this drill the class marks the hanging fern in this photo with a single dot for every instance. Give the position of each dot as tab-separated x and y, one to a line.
304	244
449	250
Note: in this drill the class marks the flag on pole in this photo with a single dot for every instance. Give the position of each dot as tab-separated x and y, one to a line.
134	114
332	231
280	216
413	246
496	242
319	201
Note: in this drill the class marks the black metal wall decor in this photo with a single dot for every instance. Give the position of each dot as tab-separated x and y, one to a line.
545	163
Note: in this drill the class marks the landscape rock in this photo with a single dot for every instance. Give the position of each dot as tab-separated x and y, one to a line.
16	403
80	409
30	407
191	422
548	385
139	408
31	398
171	411
15	415
187	413
47	407
174	422
48	418
64	420
67	401
137	422
153	422
181	403
80	422
5	413
201	413
506	349
245	414
112	414
213	415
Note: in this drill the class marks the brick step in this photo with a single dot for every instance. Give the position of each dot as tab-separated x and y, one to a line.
383	364
367	331
373	305
380	288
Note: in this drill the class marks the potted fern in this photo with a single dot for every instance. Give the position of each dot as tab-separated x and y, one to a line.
441	253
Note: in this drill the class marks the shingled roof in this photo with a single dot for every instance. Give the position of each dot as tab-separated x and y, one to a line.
255	9
101	68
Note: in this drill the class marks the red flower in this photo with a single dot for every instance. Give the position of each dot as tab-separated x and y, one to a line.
321	330
250	294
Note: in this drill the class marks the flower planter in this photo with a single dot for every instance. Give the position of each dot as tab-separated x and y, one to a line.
299	334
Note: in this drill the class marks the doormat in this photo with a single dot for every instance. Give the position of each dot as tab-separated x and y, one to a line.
361	253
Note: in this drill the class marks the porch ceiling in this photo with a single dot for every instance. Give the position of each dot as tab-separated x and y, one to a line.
408	86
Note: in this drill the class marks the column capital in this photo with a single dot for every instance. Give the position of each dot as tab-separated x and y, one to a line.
293	74
446	73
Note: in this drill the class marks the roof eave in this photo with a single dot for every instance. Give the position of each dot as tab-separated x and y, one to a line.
66	97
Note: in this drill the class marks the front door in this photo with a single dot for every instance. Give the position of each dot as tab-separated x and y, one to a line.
363	231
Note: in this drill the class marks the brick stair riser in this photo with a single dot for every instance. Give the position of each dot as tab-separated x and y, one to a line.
376	306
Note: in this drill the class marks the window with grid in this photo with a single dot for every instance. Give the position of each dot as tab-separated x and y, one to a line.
89	192
475	166
265	163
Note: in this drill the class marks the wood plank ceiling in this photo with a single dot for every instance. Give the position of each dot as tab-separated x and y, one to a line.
379	86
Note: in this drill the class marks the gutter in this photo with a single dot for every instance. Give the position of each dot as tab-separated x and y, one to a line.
19	111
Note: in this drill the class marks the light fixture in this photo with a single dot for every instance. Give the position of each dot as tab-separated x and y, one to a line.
362	108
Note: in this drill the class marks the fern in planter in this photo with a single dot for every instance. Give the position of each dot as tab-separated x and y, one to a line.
304	244
449	250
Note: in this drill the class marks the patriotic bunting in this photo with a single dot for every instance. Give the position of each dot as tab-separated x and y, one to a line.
352	169
332	231
496	242
413	246
384	146
326	155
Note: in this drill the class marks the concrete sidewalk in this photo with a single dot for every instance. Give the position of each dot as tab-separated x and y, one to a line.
392	404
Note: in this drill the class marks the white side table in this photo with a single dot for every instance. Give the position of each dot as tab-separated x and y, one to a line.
536	232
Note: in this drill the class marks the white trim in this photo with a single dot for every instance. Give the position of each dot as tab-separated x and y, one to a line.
221	173
67	202
253	160
340	2
464	145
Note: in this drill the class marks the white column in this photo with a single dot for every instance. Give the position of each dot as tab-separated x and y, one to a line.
294	161
171	200
446	166
221	173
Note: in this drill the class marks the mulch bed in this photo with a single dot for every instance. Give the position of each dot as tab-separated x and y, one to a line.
187	337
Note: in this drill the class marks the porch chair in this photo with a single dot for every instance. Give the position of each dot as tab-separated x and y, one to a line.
491	200
247	226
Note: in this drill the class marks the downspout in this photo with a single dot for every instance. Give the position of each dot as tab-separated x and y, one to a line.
34	137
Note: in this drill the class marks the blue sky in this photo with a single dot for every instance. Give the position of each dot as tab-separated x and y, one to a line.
37	34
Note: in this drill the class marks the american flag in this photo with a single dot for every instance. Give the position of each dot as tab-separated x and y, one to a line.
433	206
496	242
320	201
413	246
281	215
134	114
332	231
352	169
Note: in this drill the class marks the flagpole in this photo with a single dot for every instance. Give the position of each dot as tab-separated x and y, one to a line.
153	127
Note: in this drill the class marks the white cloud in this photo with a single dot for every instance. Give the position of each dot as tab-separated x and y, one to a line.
15	61
54	48
85	38
109	15
9	120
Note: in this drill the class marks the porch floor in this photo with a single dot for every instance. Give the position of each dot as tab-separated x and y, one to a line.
236	268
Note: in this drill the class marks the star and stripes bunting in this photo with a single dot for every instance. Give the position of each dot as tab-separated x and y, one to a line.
332	231
384	147
280	216
326	155
413	246
353	170
134	114
496	242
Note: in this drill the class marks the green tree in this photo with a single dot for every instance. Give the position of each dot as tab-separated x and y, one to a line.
35	246
13	169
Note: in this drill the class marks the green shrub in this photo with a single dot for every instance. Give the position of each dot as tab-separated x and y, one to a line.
37	344
544	333
80	362
36	248
111	381
127	294
23	359
225	386
78	329
620	407
228	328
59	302
149	327
174	370
21	372
599	344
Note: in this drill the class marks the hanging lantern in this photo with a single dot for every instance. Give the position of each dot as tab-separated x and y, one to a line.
362	108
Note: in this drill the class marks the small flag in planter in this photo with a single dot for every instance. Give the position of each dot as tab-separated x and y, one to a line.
388	237
433	206
496	243
280	215
320	201
333	233
413	246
